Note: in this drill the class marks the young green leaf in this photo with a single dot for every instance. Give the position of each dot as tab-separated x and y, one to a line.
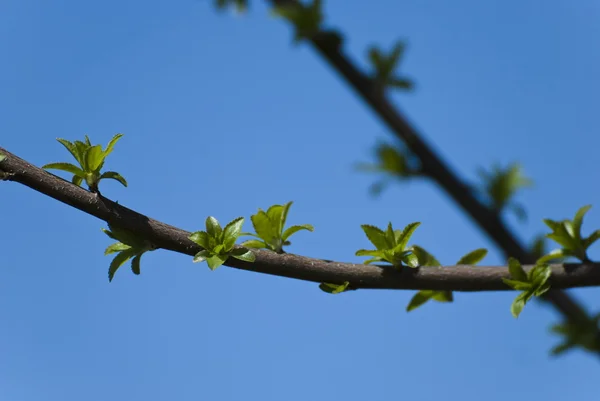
118	261
68	167
404	236
243	254
515	270
114	176
334	288
232	232
2	157
213	228
423	296
135	264
425	258
377	236
294	229
473	257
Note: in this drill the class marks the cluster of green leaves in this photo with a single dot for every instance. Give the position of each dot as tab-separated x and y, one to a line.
392	162
500	186
568	234
239	5
385	65
533	283
427	259
307	19
91	160
269	227
582	333
129	246
390	245
218	243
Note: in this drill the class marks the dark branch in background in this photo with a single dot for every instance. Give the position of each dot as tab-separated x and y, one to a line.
451	278
433	165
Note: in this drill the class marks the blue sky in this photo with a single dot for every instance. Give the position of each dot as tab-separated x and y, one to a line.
221	116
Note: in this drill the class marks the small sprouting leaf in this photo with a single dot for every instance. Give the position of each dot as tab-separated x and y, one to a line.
263	226
578	220
118	261
94	157
294	229
595	236
518	304
517	285
135	263
254	243
72	149
443	296
334	288
408	231
232	232
366	252
539	275
243	254
201	238
425	258
68	167
419	299
201	256
116	247
126	236
515	269
213	228
2	157
473	257
215	261
111	145
77	180
376	236
411	260
115	176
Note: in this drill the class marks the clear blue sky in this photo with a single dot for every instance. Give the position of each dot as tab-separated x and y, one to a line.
221	116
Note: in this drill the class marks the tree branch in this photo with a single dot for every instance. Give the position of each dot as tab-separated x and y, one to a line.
434	166
452	278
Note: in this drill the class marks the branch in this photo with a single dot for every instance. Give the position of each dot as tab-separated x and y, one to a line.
433	165
451	278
